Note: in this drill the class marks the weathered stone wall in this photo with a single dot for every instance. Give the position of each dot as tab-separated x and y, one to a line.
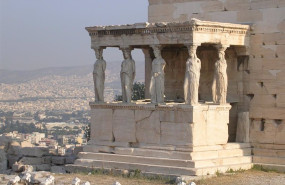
177	126
264	77
17	158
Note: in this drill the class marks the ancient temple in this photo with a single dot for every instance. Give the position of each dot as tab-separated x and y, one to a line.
195	119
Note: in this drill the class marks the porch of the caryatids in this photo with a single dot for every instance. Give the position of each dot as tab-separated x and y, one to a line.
220	82
192	76
99	75
157	78
128	73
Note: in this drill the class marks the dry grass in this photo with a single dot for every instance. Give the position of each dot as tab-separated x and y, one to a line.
252	177
98	179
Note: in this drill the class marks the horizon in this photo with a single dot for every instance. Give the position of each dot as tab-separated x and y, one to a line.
51	67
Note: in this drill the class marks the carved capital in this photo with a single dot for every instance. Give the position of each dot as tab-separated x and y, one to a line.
221	47
192	49
127	51
221	50
157	50
99	52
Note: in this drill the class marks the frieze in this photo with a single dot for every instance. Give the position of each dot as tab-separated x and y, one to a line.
156	28
172	107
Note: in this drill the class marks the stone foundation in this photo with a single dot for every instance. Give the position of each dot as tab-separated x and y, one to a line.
166	161
174	125
171	139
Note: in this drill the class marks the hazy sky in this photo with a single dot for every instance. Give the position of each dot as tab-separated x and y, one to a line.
47	33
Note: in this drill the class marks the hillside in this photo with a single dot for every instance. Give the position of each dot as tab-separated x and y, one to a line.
64	88
113	68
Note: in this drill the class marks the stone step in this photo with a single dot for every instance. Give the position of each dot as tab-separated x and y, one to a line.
199	155
148	168
223	162
137	159
221	154
223	169
269	152
279	168
86	165
269	160
72	168
166	162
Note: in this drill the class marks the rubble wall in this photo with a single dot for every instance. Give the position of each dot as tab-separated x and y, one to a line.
264	76
18	159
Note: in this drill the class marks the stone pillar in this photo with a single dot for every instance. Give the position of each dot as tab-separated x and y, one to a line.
99	75
148	61
157	76
192	76
220	82
128	73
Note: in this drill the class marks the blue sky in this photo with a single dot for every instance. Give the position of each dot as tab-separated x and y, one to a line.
48	33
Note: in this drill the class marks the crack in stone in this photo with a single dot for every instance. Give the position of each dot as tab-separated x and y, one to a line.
145	117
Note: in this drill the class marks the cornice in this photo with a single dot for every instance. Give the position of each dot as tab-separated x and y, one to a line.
194	25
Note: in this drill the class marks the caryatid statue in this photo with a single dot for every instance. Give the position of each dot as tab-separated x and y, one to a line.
99	75
192	76
157	78
128	73
220	83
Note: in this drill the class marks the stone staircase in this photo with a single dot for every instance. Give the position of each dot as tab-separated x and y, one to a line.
270	156
171	163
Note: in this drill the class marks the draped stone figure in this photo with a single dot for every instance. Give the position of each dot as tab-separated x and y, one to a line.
157	79
99	75
128	73
192	77
220	83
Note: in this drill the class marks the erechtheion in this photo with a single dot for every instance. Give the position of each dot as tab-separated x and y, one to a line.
215	90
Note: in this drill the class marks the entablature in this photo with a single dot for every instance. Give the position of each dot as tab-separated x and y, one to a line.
168	33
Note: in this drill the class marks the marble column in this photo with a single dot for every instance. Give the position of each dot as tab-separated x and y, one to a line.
99	75
157	76
220	82
192	76
128	73
148	62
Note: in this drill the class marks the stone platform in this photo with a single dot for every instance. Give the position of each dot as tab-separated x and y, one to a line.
172	124
160	161
171	139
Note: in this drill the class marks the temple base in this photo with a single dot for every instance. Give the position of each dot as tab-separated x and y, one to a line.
203	161
172	139
176	125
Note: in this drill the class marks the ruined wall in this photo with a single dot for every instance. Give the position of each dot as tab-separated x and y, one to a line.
263	85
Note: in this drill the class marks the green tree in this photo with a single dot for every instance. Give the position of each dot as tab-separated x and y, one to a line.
138	92
87	131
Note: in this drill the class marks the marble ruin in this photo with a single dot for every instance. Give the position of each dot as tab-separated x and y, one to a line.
220	83
192	77
99	75
156	88
128	73
214	91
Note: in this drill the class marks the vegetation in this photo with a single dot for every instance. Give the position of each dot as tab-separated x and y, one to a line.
87	131
138	92
21	128
257	167
230	170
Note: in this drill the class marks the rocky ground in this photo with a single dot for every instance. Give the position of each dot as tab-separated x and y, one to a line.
251	177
